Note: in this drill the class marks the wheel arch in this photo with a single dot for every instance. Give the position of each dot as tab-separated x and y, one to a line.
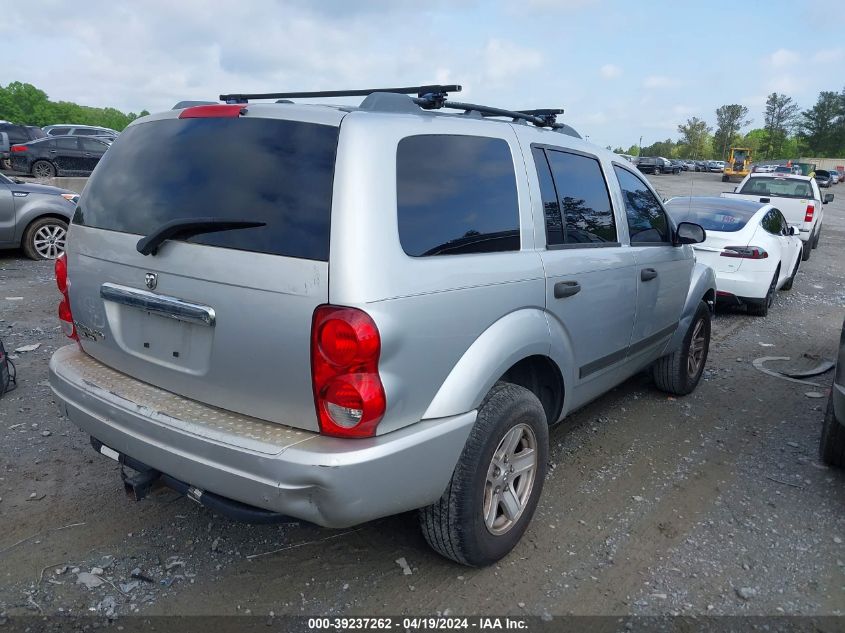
702	288
516	348
28	220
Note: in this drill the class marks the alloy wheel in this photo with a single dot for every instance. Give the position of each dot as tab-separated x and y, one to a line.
695	356
510	479
49	241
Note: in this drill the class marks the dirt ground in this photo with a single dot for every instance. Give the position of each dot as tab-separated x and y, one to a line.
711	504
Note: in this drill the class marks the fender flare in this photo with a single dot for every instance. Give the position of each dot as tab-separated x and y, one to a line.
702	281
515	336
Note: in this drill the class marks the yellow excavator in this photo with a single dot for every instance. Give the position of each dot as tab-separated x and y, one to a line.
738	164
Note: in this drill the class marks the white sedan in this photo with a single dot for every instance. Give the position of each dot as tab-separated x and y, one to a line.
749	245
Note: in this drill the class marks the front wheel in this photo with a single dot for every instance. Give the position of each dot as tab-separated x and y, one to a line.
832	443
817	238
807	249
497	482
678	373
45	238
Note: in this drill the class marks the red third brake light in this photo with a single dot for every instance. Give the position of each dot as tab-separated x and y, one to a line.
808	214
214	111
17	149
348	392
65	314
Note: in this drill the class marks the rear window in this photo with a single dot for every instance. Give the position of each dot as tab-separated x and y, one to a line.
58	131
778	187
456	195
265	170
713	216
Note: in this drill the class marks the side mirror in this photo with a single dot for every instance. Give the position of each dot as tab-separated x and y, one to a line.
689	233
828	197
792	230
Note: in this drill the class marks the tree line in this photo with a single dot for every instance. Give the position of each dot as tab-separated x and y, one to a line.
787	132
24	103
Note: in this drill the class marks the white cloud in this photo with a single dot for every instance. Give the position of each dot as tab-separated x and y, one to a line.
829	55
504	60
783	58
610	71
659	81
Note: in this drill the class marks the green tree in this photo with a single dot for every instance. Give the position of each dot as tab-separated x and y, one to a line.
780	118
660	148
694	135
819	125
24	103
619	150
729	120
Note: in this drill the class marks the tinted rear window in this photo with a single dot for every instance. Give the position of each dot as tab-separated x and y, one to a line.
265	170
456	195
713	216
778	187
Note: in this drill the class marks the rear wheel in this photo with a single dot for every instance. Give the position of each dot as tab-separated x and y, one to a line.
43	169
760	307
817	238
832	443
497	482
45	238
678	373
806	250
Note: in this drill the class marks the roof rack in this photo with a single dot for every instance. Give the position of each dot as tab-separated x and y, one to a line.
430	97
434	93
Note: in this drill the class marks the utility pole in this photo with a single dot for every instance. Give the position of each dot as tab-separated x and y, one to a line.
640	147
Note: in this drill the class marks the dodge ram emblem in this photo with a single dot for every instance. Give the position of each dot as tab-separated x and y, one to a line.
151	280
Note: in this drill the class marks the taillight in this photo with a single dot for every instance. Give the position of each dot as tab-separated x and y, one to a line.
744	252
65	314
17	149
348	393
808	214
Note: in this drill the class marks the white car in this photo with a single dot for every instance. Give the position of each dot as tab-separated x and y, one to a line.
750	246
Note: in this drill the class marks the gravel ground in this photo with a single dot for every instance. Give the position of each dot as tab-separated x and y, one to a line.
711	504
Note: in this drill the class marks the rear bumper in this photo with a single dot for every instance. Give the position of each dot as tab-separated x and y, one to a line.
751	285
328	481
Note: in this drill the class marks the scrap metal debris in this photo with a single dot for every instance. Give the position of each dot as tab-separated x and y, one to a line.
406	568
759	363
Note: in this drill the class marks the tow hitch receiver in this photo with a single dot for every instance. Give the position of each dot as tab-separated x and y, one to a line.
139	484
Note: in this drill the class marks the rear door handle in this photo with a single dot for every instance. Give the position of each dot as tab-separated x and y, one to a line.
647	274
565	289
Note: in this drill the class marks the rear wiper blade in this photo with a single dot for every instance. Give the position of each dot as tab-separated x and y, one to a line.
186	227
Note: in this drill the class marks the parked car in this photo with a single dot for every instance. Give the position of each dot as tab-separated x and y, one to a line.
823	178
656	165
5	148
701	165
677	164
34	217
797	197
786	169
834	177
79	130
17	134
689	165
832	442
58	156
716	165
749	245
400	350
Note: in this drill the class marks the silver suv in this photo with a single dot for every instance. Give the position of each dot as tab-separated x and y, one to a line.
365	310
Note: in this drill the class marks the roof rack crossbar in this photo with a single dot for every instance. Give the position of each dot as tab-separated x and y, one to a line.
540	119
420	91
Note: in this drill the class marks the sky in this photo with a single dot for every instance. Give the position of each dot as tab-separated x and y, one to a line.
620	69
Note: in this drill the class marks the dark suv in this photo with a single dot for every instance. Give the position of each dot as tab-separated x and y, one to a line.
18	134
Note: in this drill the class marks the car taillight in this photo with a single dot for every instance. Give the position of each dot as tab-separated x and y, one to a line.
348	392
17	149
213	111
744	252
65	314
808	214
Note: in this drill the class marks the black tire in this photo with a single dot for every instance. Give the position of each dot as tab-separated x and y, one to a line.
673	372
791	280
455	526
832	442
657	171
760	307
43	169
35	251
806	250
725	179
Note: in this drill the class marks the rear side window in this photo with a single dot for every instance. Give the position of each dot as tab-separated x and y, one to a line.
575	201
647	222
58	131
772	222
456	195
265	170
93	145
66	142
85	131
